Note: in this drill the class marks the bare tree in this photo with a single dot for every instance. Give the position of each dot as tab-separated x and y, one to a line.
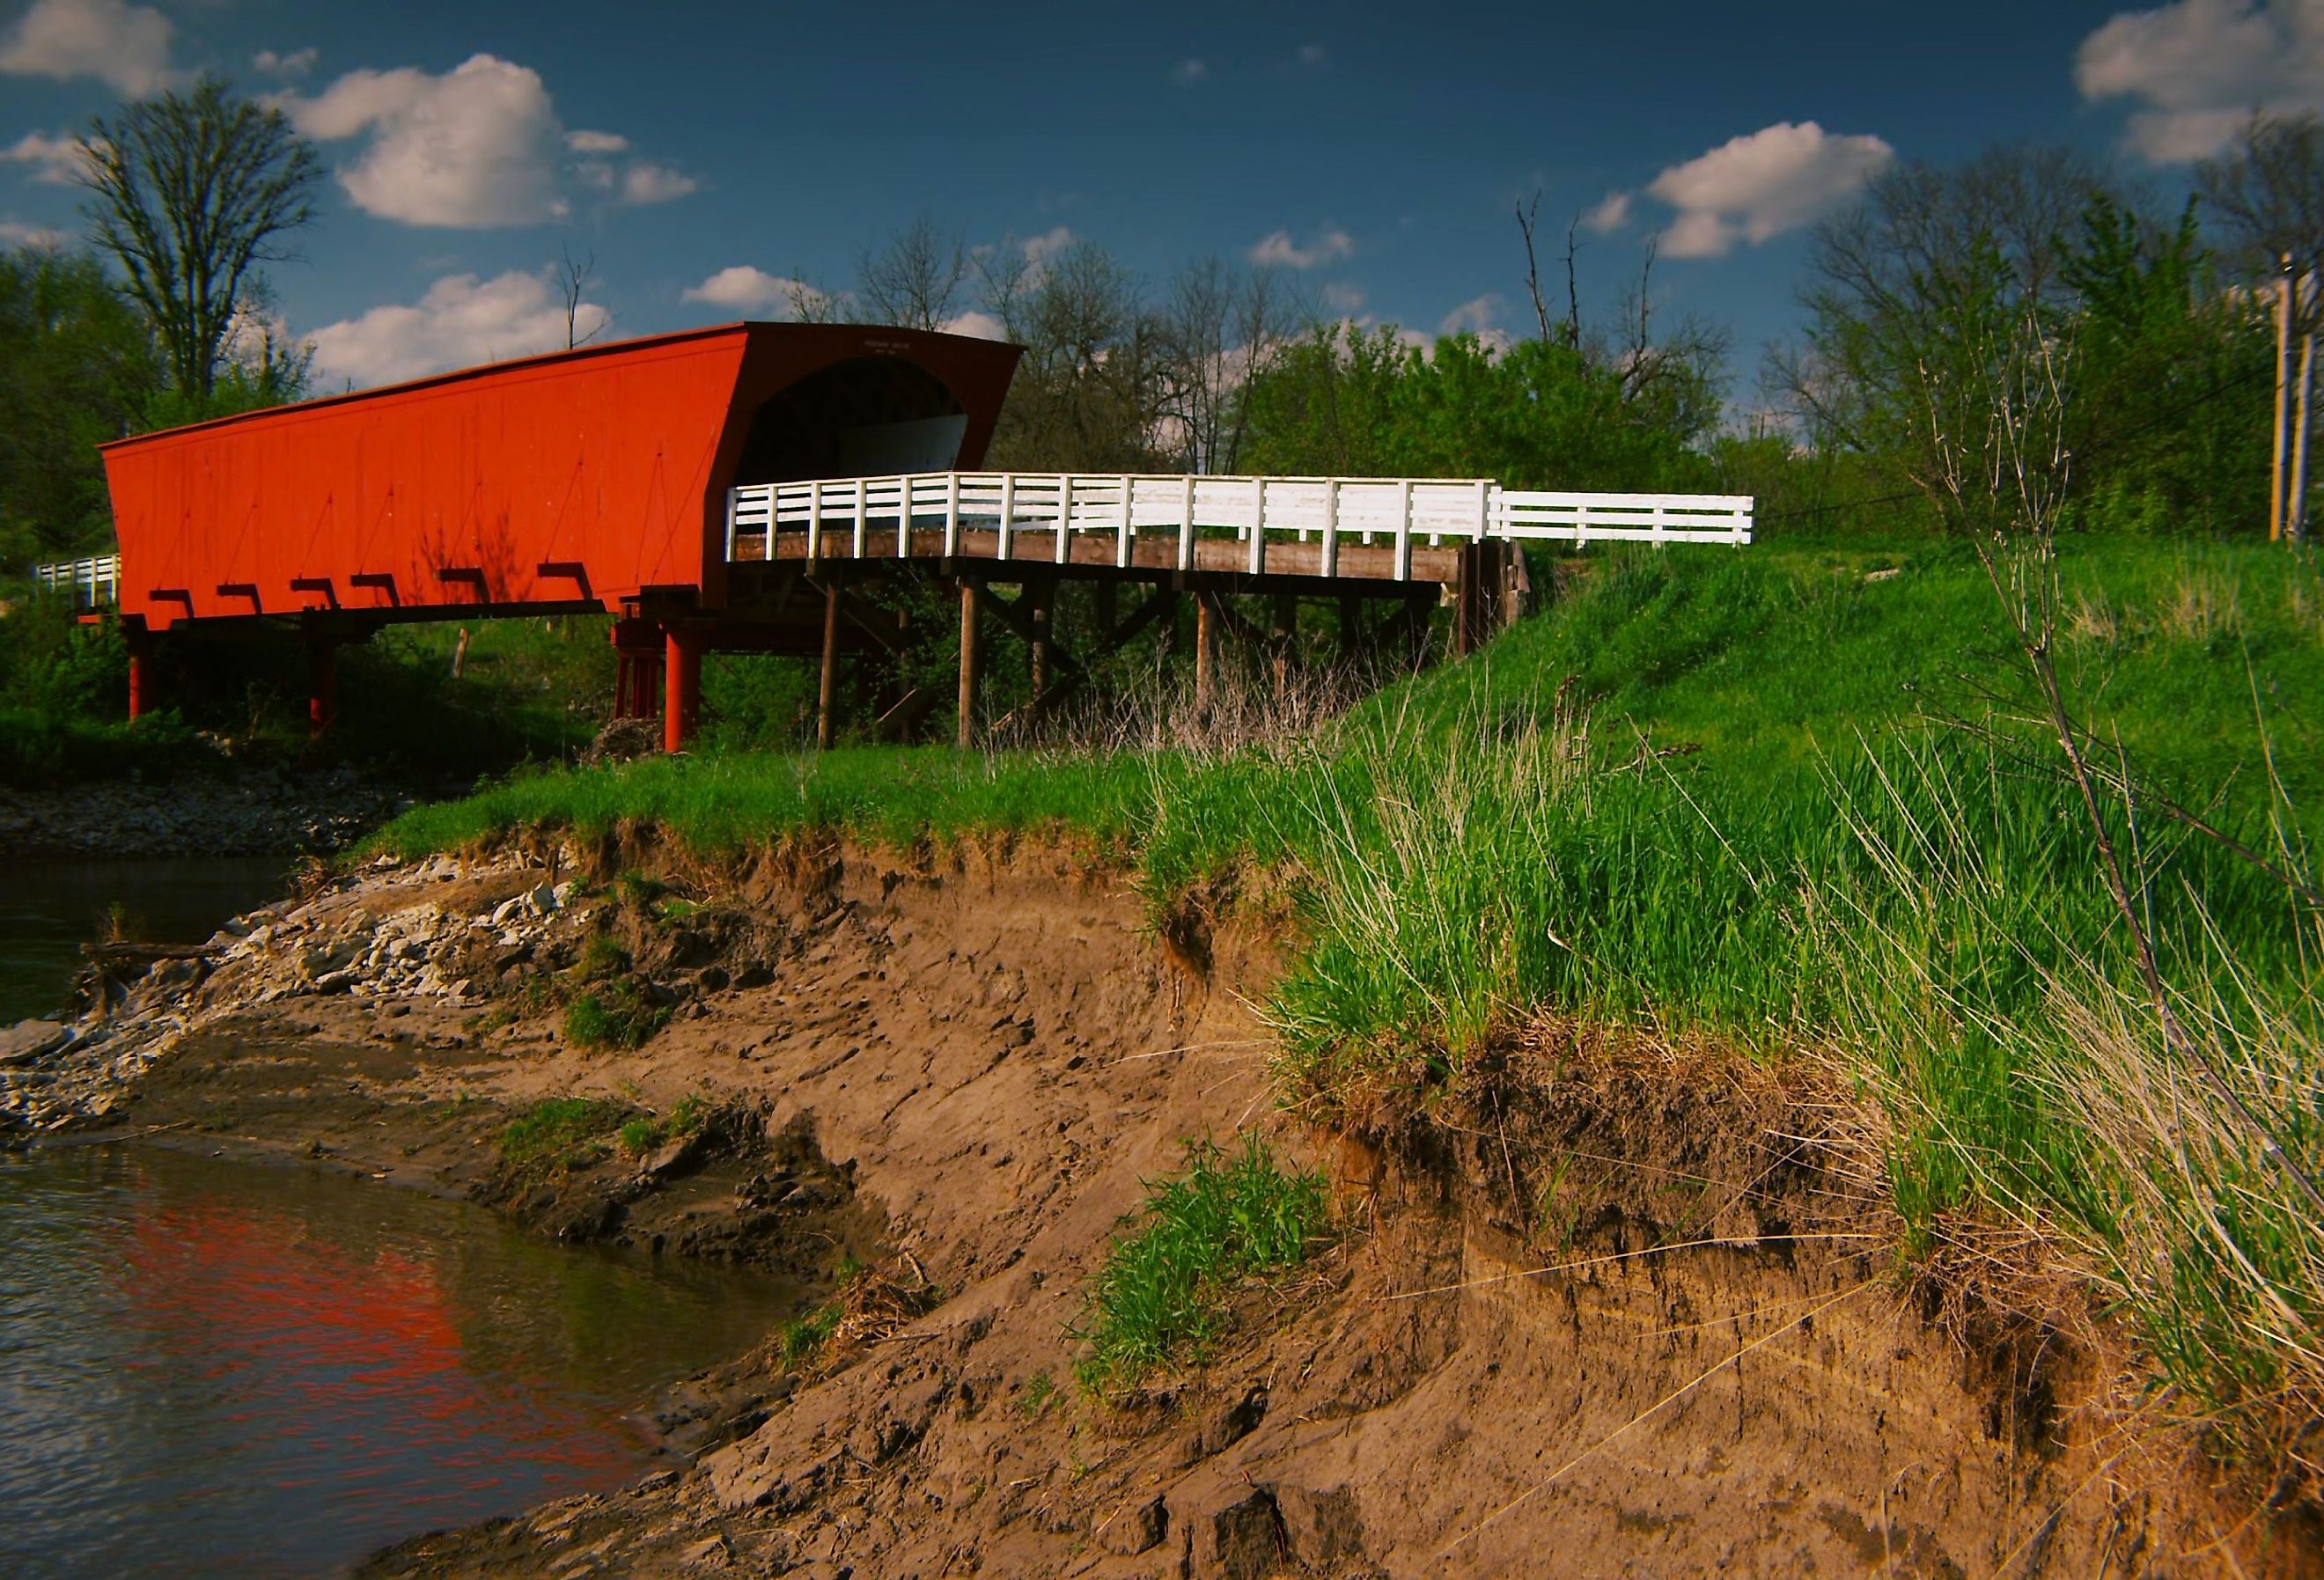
916	278
1528	215
2266	194
572	279
1089	395
808	303
192	191
1572	287
1890	280
1996	462
1219	330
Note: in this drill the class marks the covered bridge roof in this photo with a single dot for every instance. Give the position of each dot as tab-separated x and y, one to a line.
581	478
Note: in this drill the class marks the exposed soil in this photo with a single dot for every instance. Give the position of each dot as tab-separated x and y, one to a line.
962	1070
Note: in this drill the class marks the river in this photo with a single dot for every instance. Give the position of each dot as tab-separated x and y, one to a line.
49	908
219	1368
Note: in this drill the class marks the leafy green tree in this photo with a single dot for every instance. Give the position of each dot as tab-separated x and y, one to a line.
1355	402
2171	376
77	368
191	193
1906	289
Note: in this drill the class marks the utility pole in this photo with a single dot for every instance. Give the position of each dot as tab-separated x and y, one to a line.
2275	488
2295	525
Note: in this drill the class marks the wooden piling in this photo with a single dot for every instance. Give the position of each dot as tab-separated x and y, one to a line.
826	697
971	663
1041	595
1206	645
1286	630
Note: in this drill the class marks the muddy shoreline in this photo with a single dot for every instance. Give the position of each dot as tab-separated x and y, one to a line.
956	1072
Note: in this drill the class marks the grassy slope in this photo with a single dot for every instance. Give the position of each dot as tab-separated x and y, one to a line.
1804	859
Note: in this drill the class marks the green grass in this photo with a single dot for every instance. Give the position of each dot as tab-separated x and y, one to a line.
799	1341
643	1134
612	1014
1786	798
561	1131
1163	1295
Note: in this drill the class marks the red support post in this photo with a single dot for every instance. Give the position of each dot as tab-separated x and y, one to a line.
141	669
682	682
637	664
322	685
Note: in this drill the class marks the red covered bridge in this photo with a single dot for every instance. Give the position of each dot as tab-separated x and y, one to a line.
730	489
593	480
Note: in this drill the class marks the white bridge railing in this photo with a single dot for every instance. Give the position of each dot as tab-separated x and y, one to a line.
94	581
849	516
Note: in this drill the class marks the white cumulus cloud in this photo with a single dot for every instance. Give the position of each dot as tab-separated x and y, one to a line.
460	321
2197	69
126	46
747	289
54	160
1610	214
644	182
1762	184
982	325
477	146
1277	248
16	233
284	62
1479	316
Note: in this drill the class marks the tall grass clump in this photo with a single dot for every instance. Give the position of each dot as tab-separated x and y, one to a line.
1163	1295
2010	1035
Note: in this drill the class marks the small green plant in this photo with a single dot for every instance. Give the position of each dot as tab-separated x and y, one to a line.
800	1341
601	959
560	1131
645	1132
613	1014
1040	1393
1162	1295
640	889
673	909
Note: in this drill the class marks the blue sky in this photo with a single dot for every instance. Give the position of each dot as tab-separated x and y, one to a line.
704	153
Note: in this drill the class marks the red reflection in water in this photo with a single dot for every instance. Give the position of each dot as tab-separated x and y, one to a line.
237	1292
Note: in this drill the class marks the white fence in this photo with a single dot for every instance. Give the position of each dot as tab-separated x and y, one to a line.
92	582
861	512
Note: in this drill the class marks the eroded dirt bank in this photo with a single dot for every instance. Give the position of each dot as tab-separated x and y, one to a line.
962	1072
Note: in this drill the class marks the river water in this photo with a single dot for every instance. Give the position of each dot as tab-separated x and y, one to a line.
223	1369
49	908
214	1368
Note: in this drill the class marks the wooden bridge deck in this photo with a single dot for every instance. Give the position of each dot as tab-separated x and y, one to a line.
1413	541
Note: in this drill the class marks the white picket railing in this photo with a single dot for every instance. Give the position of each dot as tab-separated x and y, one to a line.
846	516
94	581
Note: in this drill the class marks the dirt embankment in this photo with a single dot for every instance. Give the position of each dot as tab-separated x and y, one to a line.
963	1071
